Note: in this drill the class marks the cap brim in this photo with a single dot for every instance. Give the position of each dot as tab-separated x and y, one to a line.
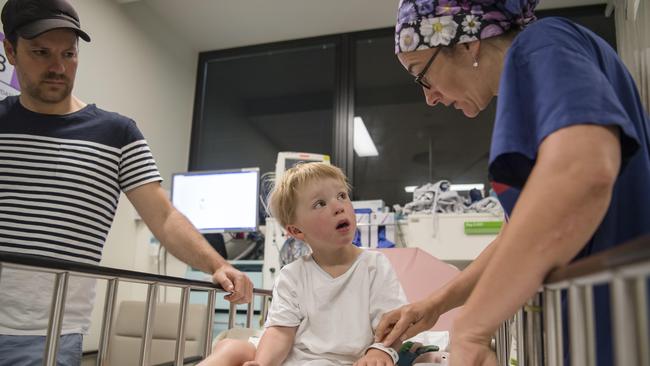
36	28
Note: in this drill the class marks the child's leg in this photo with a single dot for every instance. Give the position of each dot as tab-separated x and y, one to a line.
230	352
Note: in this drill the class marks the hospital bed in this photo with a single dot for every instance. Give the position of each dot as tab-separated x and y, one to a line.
536	329
411	265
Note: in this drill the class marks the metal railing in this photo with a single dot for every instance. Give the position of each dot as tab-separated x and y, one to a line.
538	326
62	271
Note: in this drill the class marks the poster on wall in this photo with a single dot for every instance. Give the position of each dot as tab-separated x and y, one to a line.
8	80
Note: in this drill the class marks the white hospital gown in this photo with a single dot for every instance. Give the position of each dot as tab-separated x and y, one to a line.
336	317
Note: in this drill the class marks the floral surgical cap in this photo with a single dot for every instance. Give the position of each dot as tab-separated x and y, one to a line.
423	24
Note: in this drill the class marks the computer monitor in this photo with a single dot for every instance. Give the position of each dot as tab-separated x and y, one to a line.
218	201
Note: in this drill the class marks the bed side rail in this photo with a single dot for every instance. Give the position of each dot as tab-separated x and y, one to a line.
537	326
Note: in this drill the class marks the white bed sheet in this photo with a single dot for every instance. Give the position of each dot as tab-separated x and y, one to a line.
437	338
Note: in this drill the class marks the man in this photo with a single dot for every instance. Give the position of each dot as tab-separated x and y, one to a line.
64	164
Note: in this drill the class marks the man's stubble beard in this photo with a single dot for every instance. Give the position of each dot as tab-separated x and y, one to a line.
39	90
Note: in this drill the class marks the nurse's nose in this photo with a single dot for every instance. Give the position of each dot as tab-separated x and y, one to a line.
432	97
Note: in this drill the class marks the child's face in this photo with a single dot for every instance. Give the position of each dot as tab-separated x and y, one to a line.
324	216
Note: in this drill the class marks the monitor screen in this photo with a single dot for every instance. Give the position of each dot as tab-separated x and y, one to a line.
218	201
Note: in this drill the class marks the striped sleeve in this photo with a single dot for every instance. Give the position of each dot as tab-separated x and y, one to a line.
137	165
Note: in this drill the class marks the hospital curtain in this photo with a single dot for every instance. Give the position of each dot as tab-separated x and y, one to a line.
633	38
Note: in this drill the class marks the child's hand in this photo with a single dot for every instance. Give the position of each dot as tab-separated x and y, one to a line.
374	357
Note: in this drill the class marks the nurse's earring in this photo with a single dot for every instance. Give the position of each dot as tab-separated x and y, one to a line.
475	64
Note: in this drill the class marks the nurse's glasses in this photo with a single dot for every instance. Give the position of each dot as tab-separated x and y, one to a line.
419	78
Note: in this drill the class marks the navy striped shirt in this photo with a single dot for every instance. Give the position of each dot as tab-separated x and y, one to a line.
61	178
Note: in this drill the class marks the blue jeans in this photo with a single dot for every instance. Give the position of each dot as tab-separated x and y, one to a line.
28	350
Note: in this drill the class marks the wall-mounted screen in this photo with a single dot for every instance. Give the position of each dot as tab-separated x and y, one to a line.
218	201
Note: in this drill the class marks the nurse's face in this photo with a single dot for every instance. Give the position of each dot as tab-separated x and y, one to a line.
452	79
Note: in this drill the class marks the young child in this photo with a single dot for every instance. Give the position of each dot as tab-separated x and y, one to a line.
325	305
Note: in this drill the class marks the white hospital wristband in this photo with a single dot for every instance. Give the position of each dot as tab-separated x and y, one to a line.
391	352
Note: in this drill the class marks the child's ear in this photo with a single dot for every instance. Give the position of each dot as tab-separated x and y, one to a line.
295	232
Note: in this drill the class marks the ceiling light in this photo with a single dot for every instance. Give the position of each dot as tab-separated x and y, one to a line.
466	187
363	144
410	189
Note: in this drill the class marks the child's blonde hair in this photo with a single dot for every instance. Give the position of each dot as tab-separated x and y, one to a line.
282	200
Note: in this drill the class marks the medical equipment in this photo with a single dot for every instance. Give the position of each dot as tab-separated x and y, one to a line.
452	227
287	159
279	249
292	249
374	205
218	201
274	239
456	238
376	228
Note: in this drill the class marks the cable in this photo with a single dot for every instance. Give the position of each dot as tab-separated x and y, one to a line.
267	181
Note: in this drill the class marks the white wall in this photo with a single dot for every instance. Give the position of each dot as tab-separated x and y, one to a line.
136	67
214	25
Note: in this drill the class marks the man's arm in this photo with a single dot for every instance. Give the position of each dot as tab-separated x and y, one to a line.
559	209
183	241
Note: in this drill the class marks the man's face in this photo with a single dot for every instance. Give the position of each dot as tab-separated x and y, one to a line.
46	65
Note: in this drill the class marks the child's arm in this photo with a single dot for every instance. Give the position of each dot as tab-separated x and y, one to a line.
275	345
375	356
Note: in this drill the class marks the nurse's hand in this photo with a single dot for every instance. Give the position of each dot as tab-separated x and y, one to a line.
407	321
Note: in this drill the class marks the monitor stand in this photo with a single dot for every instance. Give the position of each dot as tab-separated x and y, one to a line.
217	242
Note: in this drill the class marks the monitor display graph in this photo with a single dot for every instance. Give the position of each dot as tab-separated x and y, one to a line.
218	201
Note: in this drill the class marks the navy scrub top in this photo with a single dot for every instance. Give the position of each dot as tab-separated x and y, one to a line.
558	74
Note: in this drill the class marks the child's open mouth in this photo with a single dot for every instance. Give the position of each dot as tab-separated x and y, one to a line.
343	225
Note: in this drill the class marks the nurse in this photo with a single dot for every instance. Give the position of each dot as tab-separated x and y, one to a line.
569	156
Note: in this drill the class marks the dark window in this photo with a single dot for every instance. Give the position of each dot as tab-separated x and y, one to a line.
416	143
303	95
256	104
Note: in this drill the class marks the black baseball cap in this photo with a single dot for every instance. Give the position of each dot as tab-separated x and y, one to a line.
30	18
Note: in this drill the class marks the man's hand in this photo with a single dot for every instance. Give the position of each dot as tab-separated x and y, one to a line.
235	282
374	357
406	322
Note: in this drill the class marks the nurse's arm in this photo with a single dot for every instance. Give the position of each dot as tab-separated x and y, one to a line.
563	202
412	319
